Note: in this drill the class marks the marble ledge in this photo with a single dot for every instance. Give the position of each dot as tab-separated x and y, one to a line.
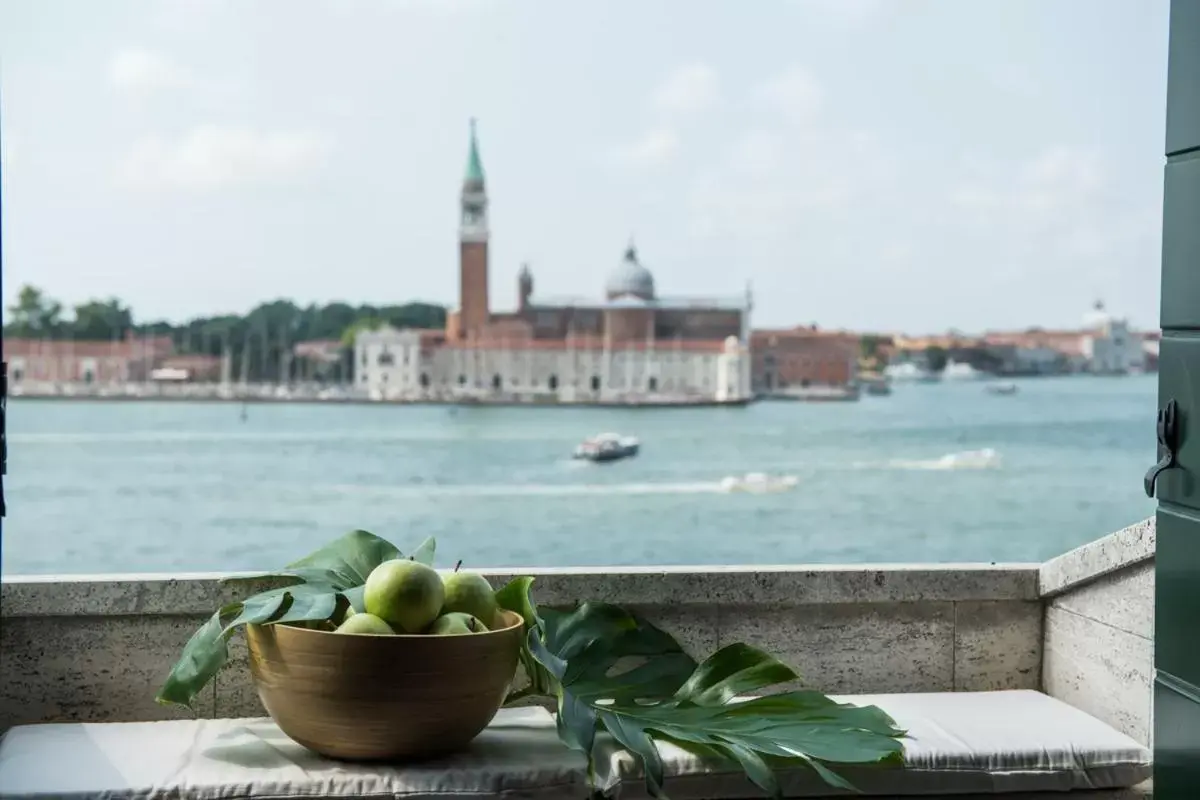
1113	553
194	594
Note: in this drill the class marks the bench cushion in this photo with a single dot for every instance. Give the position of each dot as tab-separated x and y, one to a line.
251	759
987	743
962	743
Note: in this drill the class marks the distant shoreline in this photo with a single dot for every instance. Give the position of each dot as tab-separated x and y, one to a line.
357	401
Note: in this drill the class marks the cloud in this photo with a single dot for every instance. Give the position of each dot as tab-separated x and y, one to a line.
1059	179
758	152
688	90
213	157
846	13
795	93
763	209
778	184
657	146
1060	205
140	72
421	6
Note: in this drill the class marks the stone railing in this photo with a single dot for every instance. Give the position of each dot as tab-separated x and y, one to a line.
97	648
1099	629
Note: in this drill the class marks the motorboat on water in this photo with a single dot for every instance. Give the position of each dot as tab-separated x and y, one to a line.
875	384
961	371
607	447
908	371
758	483
1001	388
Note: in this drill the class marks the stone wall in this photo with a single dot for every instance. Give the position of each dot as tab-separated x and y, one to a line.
97	648
1099	628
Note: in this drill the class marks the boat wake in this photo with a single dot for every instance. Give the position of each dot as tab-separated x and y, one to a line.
536	490
987	458
759	483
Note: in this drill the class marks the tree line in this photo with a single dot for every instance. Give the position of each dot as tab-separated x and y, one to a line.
260	342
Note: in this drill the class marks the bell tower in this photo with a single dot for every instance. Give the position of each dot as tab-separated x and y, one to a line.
473	305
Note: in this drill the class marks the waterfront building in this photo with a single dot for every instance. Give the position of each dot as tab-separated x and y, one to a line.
804	362
67	361
1109	345
631	345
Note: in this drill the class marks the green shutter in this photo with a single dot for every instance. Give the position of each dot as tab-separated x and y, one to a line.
1177	592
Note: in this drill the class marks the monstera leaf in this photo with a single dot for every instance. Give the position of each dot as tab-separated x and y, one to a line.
609	671
663	695
321	587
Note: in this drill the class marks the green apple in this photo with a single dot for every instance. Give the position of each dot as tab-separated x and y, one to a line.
366	623
405	594
470	593
456	623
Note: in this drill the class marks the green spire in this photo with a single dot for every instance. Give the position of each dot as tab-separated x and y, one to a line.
474	162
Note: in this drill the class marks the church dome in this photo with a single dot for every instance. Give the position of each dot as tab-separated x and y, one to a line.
630	278
1098	317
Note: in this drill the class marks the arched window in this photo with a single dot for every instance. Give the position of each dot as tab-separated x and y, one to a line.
424	381
496	382
595	383
553	382
386	359
462	380
652	384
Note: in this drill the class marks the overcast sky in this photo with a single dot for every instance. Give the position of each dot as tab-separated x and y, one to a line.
874	164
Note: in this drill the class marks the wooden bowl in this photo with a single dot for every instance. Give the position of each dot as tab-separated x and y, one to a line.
366	698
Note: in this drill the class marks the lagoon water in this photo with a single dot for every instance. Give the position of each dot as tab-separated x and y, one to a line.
150	487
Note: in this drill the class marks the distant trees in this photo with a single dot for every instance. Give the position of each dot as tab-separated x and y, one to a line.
260	341
33	315
936	358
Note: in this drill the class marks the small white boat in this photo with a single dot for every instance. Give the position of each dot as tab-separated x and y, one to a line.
758	483
907	371
607	447
961	371
1001	388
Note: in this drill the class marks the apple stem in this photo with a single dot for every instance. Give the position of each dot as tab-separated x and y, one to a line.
459	564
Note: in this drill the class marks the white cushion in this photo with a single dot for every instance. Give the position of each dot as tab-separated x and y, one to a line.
959	743
985	743
250	759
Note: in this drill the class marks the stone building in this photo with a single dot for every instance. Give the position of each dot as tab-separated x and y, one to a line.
63	361
631	345
1110	346
803	358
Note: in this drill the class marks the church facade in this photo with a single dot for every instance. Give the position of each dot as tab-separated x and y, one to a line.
628	346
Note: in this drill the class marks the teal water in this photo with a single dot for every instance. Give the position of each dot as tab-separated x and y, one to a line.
134	487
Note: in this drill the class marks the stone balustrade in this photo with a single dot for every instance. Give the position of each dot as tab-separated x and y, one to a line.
96	648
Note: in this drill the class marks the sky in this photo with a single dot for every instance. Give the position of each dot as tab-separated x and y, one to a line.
915	165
